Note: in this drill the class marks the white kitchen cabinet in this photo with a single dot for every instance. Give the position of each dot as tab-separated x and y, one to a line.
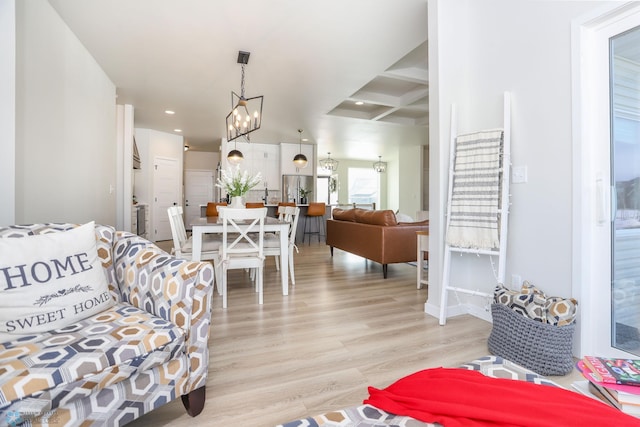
288	151
263	158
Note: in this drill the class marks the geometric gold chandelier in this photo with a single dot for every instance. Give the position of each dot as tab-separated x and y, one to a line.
380	166
329	164
246	113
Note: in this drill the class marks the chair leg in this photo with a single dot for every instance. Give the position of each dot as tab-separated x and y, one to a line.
260	286
304	229
194	401
224	287
277	262
218	277
291	273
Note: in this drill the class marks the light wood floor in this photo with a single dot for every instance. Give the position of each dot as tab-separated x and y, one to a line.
342	328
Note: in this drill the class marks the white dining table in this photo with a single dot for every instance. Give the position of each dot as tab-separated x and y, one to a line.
211	224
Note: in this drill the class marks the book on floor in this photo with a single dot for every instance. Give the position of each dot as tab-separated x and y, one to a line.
622	393
604	394
598	392
614	371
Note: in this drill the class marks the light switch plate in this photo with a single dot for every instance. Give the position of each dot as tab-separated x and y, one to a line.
519	174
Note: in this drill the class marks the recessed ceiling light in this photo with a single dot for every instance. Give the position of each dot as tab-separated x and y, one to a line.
177	130
169	112
359	103
305	139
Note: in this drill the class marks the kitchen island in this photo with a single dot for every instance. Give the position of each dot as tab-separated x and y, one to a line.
272	210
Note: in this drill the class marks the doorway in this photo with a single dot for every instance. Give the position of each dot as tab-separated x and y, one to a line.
198	190
166	192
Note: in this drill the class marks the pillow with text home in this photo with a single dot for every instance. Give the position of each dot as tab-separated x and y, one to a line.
49	281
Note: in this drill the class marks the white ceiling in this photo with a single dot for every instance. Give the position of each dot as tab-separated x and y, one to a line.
310	59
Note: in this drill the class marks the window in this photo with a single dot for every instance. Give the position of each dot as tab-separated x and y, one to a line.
364	186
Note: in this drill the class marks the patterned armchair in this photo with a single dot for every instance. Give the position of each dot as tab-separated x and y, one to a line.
108	369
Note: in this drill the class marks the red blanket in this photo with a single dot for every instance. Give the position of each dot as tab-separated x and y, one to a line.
460	397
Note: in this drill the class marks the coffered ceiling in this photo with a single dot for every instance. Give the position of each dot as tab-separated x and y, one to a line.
312	60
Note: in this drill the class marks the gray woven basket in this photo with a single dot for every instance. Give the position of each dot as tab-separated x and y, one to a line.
543	348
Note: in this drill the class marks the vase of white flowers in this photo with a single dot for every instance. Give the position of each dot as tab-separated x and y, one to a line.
237	183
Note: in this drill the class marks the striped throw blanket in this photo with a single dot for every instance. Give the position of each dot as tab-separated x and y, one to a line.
475	197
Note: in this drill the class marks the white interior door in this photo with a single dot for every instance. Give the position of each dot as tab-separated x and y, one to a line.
198	190
166	188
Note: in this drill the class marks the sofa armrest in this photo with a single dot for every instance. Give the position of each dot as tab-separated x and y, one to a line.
401	242
176	290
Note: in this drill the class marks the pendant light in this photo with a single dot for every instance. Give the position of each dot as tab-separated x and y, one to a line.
300	160
329	164
235	157
380	166
246	113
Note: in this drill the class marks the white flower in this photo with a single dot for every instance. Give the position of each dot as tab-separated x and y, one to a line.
237	183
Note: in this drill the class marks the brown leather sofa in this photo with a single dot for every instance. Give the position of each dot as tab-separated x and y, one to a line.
375	235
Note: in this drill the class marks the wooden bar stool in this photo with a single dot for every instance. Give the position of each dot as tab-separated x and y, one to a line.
316	210
212	208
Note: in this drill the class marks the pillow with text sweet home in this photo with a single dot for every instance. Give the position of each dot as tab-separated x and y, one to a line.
49	281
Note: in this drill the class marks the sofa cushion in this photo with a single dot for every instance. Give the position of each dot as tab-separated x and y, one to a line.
344	214
561	311
49	281
384	217
400	217
105	235
86	356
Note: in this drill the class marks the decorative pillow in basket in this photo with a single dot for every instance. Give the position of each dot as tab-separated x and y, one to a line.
533	330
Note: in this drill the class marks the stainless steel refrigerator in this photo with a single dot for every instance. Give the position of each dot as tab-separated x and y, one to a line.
291	185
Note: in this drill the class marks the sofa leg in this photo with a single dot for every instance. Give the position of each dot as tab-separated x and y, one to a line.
331	249
194	401
384	270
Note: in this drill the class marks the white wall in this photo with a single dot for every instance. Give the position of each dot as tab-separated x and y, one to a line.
478	50
65	124
409	185
7	110
201	160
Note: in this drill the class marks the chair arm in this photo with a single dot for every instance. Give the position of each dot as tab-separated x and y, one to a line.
176	290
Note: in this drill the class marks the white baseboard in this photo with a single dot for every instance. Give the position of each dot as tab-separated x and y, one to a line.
457	310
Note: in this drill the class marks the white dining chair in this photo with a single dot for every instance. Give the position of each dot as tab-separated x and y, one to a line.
182	245
288	214
242	246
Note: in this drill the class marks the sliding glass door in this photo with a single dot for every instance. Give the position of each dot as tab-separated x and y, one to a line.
606	180
624	89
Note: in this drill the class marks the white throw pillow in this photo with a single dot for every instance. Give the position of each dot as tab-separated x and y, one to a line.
50	281
400	217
